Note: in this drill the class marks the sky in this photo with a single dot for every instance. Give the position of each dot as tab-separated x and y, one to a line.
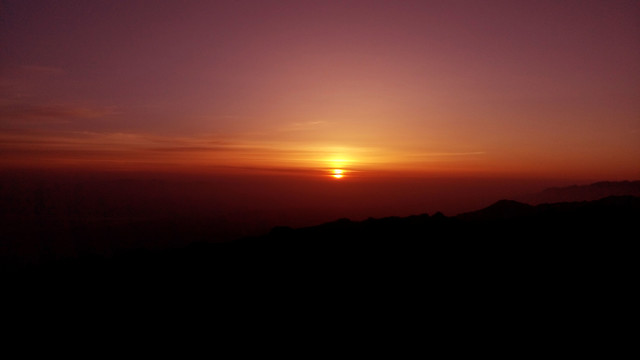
369	88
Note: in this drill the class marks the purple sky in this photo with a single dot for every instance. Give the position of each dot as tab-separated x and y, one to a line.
544	88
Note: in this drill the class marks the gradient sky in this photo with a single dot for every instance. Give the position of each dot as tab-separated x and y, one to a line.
526	88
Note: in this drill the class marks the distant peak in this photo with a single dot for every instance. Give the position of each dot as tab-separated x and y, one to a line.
509	204
594	191
500	210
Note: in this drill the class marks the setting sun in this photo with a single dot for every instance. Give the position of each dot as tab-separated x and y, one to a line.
280	141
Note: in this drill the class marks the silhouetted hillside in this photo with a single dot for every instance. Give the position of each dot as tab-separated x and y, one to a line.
50	215
503	209
507	264
589	192
505	240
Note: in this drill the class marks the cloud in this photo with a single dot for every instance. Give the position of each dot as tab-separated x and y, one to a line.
46	140
42	146
186	149
25	112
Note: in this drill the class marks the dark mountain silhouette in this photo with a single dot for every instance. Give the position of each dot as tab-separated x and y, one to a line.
503	239
503	209
510	265
589	192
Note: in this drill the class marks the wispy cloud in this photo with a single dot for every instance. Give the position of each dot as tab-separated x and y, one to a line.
36	146
204	151
57	113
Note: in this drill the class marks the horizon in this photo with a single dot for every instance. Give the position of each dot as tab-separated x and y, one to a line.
254	114
56	216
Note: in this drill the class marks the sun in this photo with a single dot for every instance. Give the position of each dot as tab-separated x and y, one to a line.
337	173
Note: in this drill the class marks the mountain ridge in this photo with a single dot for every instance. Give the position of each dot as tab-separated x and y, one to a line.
507	227
593	191
540	262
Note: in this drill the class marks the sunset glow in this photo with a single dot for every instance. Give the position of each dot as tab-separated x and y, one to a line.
413	88
146	126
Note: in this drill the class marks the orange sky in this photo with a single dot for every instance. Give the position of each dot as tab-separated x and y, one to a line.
500	88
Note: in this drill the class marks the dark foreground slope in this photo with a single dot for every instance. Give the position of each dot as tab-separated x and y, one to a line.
508	240
511	278
508	276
